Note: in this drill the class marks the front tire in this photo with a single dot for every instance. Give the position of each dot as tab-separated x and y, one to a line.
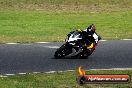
62	51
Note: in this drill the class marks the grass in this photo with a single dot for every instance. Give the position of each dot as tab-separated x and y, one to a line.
33	26
58	80
50	20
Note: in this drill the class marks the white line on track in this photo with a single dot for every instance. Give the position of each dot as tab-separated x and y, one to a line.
50	72
9	74
122	68
114	69
60	71
12	43
103	40
36	72
126	39
42	42
56	47
22	73
91	69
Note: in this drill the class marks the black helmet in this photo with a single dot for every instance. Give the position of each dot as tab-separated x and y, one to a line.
91	28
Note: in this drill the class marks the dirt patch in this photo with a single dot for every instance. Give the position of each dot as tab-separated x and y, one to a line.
64	8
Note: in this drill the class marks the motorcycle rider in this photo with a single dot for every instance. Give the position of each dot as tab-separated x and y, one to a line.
90	36
90	31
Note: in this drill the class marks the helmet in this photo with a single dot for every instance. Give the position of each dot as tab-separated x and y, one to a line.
91	28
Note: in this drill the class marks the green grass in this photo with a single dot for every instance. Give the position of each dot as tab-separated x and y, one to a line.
51	20
58	80
32	26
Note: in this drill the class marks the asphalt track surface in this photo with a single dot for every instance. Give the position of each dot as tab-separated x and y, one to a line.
19	58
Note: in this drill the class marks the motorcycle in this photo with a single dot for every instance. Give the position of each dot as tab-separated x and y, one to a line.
75	47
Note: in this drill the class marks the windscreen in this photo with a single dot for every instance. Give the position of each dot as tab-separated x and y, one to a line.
76	35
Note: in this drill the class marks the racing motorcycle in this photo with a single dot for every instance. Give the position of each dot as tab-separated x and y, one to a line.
75	47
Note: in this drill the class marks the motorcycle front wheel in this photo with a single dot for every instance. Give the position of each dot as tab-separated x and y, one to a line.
62	51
